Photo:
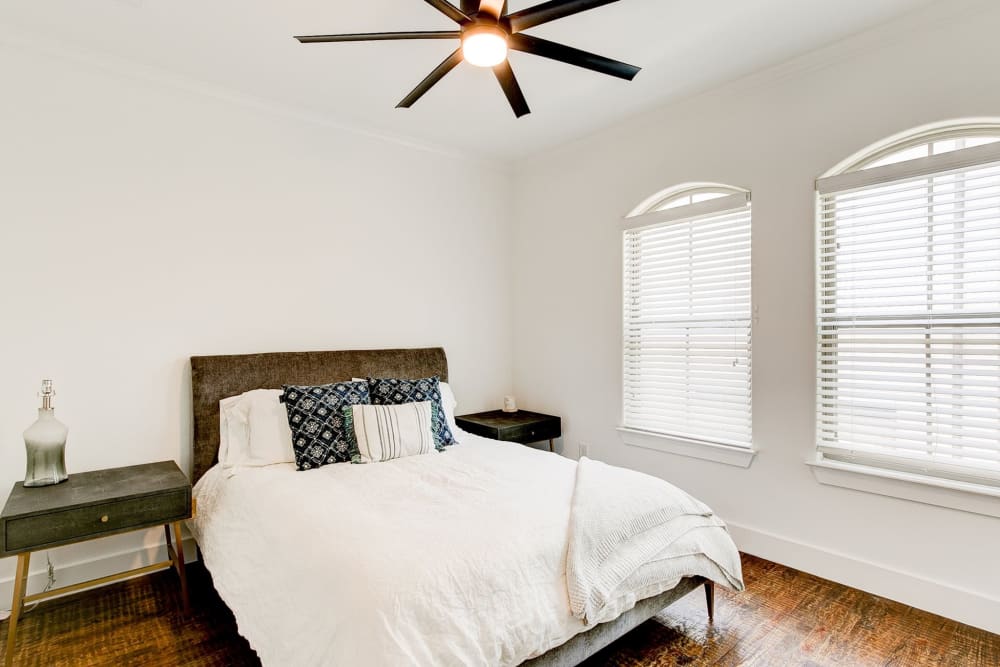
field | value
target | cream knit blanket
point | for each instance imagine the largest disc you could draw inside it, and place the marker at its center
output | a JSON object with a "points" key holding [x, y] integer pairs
{"points": [[633, 536]]}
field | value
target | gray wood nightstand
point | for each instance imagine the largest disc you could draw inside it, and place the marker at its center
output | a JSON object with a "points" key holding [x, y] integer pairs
{"points": [[521, 426], [87, 506]]}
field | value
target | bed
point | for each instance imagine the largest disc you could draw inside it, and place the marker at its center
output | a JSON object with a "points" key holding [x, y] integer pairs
{"points": [[458, 557]]}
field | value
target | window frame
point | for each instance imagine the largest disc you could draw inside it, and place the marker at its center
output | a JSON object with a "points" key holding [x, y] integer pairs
{"points": [[655, 211], [901, 141], [897, 478]]}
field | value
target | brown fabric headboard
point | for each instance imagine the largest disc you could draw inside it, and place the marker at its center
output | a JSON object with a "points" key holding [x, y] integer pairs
{"points": [[218, 377]]}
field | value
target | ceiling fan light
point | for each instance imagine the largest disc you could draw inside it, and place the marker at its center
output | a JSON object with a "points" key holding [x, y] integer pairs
{"points": [[484, 47]]}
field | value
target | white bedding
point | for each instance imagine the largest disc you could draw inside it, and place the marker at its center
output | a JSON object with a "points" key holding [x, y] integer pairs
{"points": [[453, 558]]}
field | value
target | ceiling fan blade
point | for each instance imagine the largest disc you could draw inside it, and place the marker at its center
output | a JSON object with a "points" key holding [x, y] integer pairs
{"points": [[571, 56], [446, 66], [380, 36], [550, 11], [451, 11], [511, 88]]}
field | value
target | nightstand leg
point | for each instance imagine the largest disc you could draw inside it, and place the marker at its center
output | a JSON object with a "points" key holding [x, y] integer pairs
{"points": [[20, 586], [175, 551], [552, 445]]}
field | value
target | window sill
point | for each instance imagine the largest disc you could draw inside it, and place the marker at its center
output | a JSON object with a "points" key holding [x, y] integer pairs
{"points": [[696, 449], [964, 496]]}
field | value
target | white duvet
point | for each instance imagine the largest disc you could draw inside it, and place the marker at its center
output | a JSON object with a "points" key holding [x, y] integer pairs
{"points": [[453, 558]]}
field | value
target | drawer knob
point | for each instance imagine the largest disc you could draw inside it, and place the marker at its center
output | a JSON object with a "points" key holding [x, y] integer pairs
{"points": [[104, 519]]}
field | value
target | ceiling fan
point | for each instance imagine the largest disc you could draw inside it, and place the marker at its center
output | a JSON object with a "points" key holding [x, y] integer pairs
{"points": [[487, 32]]}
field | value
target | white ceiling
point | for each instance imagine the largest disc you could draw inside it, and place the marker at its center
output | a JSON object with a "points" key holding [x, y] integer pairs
{"points": [[682, 45]]}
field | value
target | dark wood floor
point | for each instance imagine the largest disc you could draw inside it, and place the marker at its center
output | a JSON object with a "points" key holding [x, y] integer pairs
{"points": [[785, 617]]}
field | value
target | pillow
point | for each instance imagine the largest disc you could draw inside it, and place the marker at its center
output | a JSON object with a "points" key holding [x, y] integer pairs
{"points": [[254, 430], [270, 436], [234, 431], [448, 404], [384, 432], [396, 391], [316, 420]]}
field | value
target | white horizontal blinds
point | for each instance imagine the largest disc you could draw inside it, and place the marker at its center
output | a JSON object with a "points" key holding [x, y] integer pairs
{"points": [[909, 316], [687, 322]]}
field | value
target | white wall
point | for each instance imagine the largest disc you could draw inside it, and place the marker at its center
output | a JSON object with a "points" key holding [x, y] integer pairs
{"points": [[145, 219], [773, 133]]}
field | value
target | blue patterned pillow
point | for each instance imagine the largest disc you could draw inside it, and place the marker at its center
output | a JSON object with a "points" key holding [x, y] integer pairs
{"points": [[316, 418], [393, 391]]}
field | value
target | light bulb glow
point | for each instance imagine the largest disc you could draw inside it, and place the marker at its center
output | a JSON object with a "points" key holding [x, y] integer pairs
{"points": [[484, 47]]}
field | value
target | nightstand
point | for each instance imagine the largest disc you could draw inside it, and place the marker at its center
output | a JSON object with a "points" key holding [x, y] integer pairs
{"points": [[521, 426], [87, 506]]}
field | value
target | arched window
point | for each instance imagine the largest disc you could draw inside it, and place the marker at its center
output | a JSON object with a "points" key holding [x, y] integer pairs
{"points": [[683, 195], [908, 304], [687, 319], [926, 141]]}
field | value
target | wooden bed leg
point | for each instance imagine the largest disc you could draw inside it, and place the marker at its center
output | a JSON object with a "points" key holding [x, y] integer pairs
{"points": [[710, 599]]}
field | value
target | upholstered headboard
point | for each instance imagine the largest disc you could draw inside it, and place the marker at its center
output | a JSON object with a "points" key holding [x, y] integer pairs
{"points": [[217, 377]]}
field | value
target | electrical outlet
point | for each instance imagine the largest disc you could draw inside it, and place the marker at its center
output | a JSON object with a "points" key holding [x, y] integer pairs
{"points": [[584, 450]]}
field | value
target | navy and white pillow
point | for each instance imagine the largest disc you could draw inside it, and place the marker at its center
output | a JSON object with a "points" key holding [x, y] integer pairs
{"points": [[316, 419], [395, 391]]}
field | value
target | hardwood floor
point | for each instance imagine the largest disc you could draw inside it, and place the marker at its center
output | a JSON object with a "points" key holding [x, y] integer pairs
{"points": [[785, 617]]}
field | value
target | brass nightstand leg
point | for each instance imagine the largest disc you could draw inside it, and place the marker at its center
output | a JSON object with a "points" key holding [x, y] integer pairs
{"points": [[175, 551], [20, 586]]}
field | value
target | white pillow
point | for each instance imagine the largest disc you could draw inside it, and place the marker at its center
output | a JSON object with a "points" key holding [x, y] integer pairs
{"points": [[270, 437], [449, 404], [234, 431], [254, 430], [386, 432]]}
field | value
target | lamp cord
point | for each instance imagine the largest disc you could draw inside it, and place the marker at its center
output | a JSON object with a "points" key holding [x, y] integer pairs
{"points": [[51, 581]]}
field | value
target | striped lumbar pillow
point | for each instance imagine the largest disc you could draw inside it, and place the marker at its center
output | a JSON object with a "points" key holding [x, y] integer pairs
{"points": [[379, 433]]}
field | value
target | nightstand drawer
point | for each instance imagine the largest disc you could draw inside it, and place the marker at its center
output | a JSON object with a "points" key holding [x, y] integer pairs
{"points": [[531, 432], [71, 525]]}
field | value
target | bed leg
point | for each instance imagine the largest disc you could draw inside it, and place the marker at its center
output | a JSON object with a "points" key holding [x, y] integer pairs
{"points": [[710, 599]]}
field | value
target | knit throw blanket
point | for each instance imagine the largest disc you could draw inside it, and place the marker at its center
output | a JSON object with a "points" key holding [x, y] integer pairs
{"points": [[633, 536]]}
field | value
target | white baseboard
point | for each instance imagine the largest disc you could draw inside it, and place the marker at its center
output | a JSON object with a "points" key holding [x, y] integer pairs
{"points": [[75, 573], [960, 604]]}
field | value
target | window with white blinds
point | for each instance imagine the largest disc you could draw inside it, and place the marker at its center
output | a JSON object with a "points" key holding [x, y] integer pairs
{"points": [[687, 319], [909, 312]]}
